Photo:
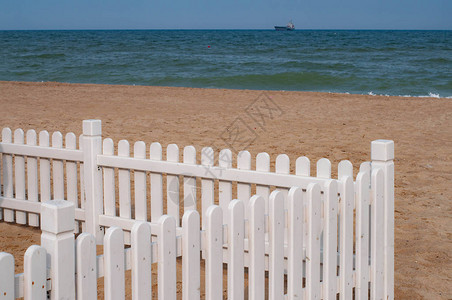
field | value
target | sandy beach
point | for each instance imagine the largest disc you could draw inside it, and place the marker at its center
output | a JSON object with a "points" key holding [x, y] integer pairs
{"points": [[335, 126]]}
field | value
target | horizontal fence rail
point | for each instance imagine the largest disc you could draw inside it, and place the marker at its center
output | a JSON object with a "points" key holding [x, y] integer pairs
{"points": [[317, 237]]}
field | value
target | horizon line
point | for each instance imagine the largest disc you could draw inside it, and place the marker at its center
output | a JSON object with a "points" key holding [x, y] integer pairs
{"points": [[187, 29]]}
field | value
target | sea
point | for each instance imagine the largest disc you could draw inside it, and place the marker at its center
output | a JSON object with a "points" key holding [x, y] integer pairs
{"points": [[374, 62]]}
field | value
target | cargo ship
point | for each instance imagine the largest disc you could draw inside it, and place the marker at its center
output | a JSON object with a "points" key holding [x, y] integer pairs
{"points": [[289, 27]]}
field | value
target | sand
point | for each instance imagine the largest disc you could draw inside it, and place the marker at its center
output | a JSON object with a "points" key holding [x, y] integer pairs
{"points": [[335, 126]]}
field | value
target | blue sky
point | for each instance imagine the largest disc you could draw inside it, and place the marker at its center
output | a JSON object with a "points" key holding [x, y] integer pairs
{"points": [[225, 14]]}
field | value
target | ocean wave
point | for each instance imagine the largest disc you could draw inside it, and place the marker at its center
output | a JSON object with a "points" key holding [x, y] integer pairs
{"points": [[44, 55], [430, 95]]}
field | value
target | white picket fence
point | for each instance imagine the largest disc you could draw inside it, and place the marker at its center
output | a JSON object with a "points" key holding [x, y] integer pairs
{"points": [[322, 236]]}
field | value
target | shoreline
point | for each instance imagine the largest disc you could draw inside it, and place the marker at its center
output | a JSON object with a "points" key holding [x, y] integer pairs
{"points": [[313, 124], [370, 93]]}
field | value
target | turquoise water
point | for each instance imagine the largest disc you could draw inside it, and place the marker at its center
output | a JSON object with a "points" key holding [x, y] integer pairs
{"points": [[416, 63]]}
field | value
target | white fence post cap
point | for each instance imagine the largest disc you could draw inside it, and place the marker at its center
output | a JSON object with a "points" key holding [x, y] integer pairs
{"points": [[57, 216], [382, 150], [92, 127]]}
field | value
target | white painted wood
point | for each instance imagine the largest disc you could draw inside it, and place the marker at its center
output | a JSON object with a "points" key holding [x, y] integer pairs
{"points": [[1, 186], [92, 173], [313, 246], [276, 241], [324, 168], [362, 236], [225, 187], [248, 176], [303, 166], [86, 267], [57, 226], [207, 185], [38, 151], [109, 181], [82, 181], [190, 197], [382, 155], [71, 175], [365, 167], [282, 166], [19, 176], [256, 271], [58, 168], [191, 247], [7, 276], [141, 260], [345, 168], [155, 153], [263, 165], [236, 235], [35, 273], [214, 253], [8, 215], [295, 244], [125, 201], [377, 235], [139, 151], [244, 189], [114, 284], [346, 238], [167, 258], [172, 185], [125, 210], [330, 240]]}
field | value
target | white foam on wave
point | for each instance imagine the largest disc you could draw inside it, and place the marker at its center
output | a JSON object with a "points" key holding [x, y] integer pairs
{"points": [[430, 95]]}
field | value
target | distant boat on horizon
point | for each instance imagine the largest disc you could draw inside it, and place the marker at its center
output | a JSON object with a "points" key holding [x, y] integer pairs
{"points": [[289, 27]]}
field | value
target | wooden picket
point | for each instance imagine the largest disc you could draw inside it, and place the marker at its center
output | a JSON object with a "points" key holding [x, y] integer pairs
{"points": [[58, 168], [86, 267], [276, 240], [7, 276], [8, 215], [19, 176], [190, 193], [172, 185], [167, 258], [244, 189], [346, 238], [225, 187], [109, 181], [139, 151], [44, 169], [295, 241], [282, 166], [330, 240], [256, 234], [362, 236], [313, 246], [236, 235], [35, 273], [155, 153], [263, 165], [191, 282], [377, 247], [114, 264], [207, 185], [214, 250], [71, 175], [141, 261]]}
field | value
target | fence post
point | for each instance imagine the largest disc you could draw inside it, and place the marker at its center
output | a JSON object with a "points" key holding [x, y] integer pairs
{"points": [[92, 146], [57, 226], [382, 155]]}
